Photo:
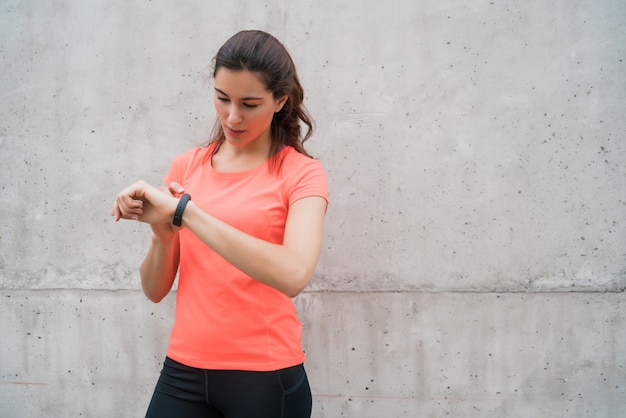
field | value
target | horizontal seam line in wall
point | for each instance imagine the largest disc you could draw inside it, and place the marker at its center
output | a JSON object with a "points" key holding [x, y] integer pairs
{"points": [[616, 291]]}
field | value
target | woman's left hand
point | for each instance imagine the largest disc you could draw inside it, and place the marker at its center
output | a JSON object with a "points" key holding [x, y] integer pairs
{"points": [[144, 203]]}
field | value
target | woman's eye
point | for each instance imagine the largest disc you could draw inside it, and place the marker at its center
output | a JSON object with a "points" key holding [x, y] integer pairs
{"points": [[227, 100]]}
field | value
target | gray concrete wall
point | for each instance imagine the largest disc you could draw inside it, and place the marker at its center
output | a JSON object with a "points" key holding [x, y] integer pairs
{"points": [[475, 254]]}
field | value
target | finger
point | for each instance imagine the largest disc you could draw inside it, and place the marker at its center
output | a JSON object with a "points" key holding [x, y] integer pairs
{"points": [[128, 208], [128, 203], [119, 210], [115, 212], [176, 187]]}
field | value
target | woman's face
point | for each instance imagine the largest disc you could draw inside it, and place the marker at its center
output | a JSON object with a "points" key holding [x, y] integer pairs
{"points": [[244, 106]]}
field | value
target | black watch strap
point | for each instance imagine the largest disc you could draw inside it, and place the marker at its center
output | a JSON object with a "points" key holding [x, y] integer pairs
{"points": [[178, 214]]}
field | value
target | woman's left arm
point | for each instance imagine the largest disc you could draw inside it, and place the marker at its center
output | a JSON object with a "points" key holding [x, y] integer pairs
{"points": [[287, 267]]}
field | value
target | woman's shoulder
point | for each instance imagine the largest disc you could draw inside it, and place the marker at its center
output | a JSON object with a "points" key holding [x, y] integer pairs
{"points": [[187, 162], [303, 176], [192, 156], [292, 159], [297, 167]]}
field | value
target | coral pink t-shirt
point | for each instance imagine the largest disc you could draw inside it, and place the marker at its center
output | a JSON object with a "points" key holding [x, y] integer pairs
{"points": [[226, 320]]}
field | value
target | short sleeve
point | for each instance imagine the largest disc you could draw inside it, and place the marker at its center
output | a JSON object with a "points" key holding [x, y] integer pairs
{"points": [[306, 178], [182, 164]]}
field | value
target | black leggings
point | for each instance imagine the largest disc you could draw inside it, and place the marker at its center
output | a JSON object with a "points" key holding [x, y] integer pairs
{"points": [[184, 391]]}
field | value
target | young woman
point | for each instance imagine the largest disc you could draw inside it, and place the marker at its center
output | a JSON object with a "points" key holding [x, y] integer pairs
{"points": [[241, 221]]}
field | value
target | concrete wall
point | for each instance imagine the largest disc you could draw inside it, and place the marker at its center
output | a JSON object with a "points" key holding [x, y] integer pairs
{"points": [[475, 254]]}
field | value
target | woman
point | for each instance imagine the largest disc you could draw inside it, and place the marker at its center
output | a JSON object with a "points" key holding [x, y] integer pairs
{"points": [[241, 220]]}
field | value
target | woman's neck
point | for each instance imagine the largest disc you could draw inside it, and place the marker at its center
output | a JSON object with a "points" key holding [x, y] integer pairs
{"points": [[231, 158]]}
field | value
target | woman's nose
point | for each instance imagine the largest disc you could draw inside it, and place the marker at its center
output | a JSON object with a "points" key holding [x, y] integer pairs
{"points": [[234, 116]]}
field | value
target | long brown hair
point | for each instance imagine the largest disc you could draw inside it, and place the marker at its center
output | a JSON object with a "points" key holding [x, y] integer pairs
{"points": [[262, 54]]}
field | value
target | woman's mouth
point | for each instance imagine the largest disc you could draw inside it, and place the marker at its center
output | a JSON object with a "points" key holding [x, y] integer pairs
{"points": [[234, 132]]}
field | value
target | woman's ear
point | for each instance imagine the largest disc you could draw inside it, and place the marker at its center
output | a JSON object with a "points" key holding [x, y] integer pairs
{"points": [[280, 103]]}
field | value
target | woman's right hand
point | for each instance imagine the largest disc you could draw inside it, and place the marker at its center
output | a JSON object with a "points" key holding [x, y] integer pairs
{"points": [[166, 231]]}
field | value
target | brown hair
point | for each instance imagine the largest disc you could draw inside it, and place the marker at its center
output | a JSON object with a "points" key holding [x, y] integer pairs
{"points": [[262, 54]]}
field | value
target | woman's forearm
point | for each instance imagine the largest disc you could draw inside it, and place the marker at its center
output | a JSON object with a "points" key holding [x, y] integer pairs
{"points": [[159, 268], [287, 267]]}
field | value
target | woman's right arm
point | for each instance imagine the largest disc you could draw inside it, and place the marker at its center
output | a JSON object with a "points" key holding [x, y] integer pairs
{"points": [[159, 268]]}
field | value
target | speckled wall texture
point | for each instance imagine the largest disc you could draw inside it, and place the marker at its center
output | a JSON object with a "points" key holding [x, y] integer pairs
{"points": [[474, 261]]}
